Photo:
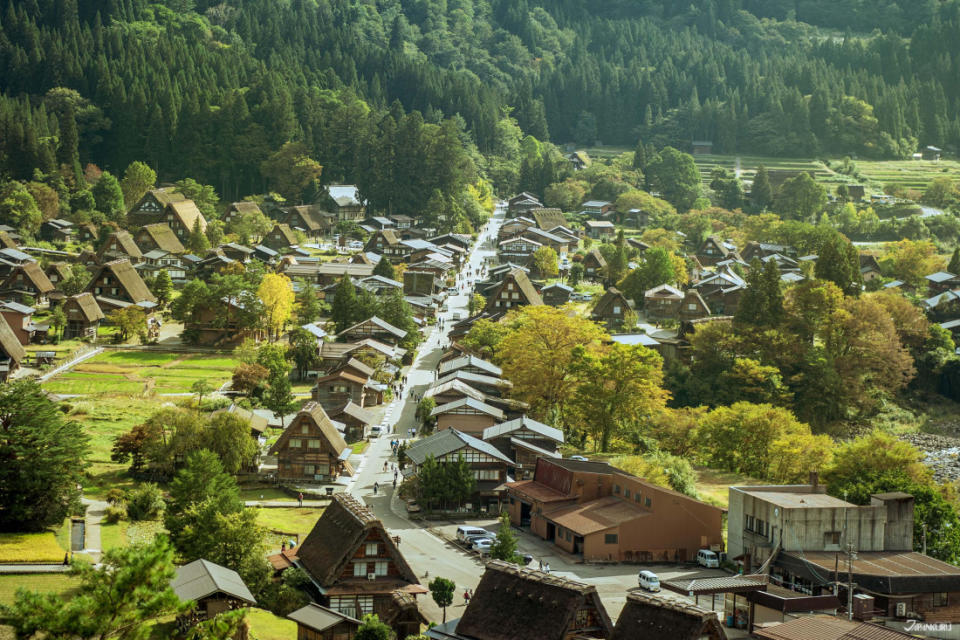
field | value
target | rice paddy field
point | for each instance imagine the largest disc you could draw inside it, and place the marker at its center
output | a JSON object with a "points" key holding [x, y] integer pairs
{"points": [[142, 373], [912, 175]]}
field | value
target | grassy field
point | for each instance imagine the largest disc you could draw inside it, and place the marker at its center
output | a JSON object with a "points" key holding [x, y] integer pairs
{"points": [[124, 533], [289, 520], [141, 372], [713, 485], [266, 626], [30, 547], [45, 582]]}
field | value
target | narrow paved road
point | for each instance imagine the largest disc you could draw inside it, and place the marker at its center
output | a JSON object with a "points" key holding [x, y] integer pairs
{"points": [[428, 555]]}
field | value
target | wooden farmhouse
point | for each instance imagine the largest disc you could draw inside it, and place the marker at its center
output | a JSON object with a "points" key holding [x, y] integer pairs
{"points": [[83, 317], [311, 449], [359, 567], [513, 602], [213, 588], [315, 622]]}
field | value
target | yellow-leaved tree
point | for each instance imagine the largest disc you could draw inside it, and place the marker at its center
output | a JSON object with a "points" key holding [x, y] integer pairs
{"points": [[536, 354], [277, 296]]}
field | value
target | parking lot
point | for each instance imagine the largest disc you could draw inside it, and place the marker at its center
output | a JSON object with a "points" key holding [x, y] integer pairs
{"points": [[613, 581]]}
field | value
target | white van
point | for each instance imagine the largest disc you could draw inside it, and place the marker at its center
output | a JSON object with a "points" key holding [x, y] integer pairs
{"points": [[707, 558], [648, 580], [464, 532]]}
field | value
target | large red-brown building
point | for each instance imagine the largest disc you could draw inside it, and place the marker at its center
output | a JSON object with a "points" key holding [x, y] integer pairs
{"points": [[602, 513]]}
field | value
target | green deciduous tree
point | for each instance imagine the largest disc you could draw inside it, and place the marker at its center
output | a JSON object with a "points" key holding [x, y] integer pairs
{"points": [[675, 175], [618, 387], [762, 301], [34, 496], [138, 178], [544, 260], [19, 208], [279, 397], [163, 287], [442, 590], [290, 170], [109, 197], [372, 628], [800, 198]]}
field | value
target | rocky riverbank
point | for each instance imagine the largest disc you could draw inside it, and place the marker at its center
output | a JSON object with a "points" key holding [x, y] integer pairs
{"points": [[942, 454]]}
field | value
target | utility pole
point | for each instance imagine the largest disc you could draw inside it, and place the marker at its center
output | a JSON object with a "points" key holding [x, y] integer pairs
{"points": [[851, 556], [924, 526]]}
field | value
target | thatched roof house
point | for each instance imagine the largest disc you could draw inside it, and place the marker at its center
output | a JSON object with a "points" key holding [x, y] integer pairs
{"points": [[513, 602], [647, 617]]}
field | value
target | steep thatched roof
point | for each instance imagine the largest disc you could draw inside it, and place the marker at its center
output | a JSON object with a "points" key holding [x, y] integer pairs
{"points": [[188, 213], [647, 617], [128, 278], [548, 218], [540, 605], [613, 297], [124, 243], [313, 412], [9, 342], [33, 273], [88, 306], [334, 540], [163, 236]]}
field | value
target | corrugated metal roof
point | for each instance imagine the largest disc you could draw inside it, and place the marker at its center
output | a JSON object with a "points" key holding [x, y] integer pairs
{"points": [[319, 618], [202, 578]]}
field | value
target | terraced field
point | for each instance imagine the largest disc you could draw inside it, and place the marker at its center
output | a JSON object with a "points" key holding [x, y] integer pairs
{"points": [[910, 174]]}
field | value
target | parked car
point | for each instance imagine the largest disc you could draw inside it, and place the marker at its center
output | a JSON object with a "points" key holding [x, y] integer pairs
{"points": [[579, 458], [482, 545], [527, 559], [648, 580], [707, 558], [376, 430], [464, 531], [452, 291], [586, 297]]}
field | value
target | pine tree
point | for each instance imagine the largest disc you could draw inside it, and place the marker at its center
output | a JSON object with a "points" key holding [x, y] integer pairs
{"points": [[308, 307], [640, 156], [163, 287], [385, 269], [343, 309], [761, 195], [504, 546], [954, 266], [197, 242]]}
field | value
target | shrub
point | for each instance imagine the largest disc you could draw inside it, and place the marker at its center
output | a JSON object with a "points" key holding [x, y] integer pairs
{"points": [[145, 502], [114, 513], [116, 496]]}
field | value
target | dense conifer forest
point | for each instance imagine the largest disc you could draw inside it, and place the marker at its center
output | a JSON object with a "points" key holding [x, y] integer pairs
{"points": [[208, 89]]}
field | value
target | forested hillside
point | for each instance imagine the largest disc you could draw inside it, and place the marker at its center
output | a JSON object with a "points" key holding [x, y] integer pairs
{"points": [[208, 88]]}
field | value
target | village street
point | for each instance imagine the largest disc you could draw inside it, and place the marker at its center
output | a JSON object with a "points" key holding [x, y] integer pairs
{"points": [[430, 551]]}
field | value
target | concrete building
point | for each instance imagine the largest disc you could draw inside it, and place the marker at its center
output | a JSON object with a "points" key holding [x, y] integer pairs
{"points": [[804, 518]]}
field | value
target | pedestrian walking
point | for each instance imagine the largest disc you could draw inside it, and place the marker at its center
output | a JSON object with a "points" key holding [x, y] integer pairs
{"points": [[546, 568], [541, 564], [300, 499], [384, 466], [376, 487]]}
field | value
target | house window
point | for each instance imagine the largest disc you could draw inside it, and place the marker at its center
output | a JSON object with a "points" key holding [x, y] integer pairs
{"points": [[371, 549], [831, 537], [616, 488], [692, 306], [304, 428], [626, 492], [610, 538], [381, 567], [636, 497], [748, 525], [359, 569], [486, 474], [583, 619], [567, 535], [346, 606], [313, 444], [308, 470], [940, 599], [366, 604], [616, 308], [294, 443], [516, 295], [648, 502]]}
